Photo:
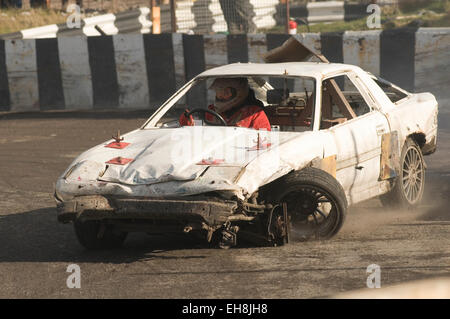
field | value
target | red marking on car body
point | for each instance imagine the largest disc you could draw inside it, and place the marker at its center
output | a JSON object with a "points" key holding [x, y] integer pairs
{"points": [[119, 160], [118, 145], [262, 146], [210, 161]]}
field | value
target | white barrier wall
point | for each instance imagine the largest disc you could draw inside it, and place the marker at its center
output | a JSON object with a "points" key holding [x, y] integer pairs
{"points": [[432, 62], [140, 71], [22, 75], [75, 72]]}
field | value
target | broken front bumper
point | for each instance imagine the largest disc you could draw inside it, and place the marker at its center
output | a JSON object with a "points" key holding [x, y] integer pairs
{"points": [[213, 212]]}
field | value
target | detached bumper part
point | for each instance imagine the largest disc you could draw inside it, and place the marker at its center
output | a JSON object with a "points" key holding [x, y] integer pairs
{"points": [[96, 207]]}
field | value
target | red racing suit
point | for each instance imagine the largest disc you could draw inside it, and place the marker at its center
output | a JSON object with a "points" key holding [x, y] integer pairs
{"points": [[250, 116]]}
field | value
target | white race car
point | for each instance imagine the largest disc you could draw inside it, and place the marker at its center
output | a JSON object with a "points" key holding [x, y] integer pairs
{"points": [[339, 136]]}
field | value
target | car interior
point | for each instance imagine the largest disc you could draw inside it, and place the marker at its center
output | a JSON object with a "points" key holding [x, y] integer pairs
{"points": [[289, 102], [292, 111]]}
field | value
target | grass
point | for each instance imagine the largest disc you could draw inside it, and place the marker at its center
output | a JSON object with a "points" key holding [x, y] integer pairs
{"points": [[354, 25], [12, 20], [438, 6]]}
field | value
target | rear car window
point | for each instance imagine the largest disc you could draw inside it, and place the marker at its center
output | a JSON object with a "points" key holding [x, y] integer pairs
{"points": [[392, 93]]}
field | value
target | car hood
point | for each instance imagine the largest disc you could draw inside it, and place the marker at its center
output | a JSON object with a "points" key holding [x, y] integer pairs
{"points": [[161, 155], [190, 160]]}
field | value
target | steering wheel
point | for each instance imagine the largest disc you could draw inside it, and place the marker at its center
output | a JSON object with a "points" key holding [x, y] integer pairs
{"points": [[203, 116]]}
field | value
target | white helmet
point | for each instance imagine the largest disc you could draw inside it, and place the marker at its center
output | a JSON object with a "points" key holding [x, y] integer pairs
{"points": [[239, 91]]}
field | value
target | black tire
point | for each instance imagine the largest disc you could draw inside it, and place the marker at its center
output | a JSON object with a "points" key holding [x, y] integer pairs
{"points": [[402, 194], [308, 193], [92, 237]]}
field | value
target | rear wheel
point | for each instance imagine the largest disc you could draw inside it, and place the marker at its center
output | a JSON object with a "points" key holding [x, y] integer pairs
{"points": [[409, 185], [316, 203], [95, 235]]}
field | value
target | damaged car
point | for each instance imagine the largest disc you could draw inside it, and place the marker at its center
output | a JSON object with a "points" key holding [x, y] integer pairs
{"points": [[337, 136]]}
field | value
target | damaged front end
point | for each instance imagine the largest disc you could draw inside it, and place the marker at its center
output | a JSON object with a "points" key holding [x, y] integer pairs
{"points": [[215, 219]]}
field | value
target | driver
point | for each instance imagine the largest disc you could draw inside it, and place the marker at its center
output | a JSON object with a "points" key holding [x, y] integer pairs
{"points": [[236, 103]]}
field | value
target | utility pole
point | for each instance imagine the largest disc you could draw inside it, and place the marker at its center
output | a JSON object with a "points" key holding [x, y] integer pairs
{"points": [[288, 16], [155, 17], [173, 16]]}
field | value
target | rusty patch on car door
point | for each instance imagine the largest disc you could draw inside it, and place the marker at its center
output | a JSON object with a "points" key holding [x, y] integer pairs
{"points": [[327, 164], [390, 159]]}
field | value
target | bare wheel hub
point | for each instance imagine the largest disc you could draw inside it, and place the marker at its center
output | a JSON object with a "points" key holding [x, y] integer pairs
{"points": [[307, 205]]}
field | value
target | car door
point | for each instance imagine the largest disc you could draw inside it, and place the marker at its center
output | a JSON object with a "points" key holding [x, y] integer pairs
{"points": [[357, 138]]}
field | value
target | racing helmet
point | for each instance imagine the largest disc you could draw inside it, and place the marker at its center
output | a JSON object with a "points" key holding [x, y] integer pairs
{"points": [[230, 92]]}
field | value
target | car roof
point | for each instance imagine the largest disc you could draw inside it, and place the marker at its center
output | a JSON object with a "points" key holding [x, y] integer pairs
{"points": [[309, 69]]}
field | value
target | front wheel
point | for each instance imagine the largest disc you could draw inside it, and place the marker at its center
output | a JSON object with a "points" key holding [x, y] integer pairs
{"points": [[316, 203], [95, 235]]}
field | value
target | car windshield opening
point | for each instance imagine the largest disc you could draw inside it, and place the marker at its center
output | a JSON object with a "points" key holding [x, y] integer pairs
{"points": [[287, 102]]}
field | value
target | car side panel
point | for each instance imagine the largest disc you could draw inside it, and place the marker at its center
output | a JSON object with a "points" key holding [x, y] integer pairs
{"points": [[416, 114], [358, 149]]}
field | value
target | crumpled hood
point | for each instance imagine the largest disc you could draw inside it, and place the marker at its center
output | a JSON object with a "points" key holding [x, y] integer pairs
{"points": [[162, 155], [190, 160]]}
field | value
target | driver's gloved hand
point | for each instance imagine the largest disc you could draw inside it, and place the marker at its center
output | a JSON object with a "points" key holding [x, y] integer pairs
{"points": [[185, 120]]}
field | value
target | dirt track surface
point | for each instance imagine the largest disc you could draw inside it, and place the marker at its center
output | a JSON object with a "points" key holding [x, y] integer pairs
{"points": [[35, 249]]}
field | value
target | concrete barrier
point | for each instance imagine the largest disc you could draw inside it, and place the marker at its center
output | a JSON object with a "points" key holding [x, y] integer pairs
{"points": [[432, 62], [135, 71], [327, 11]]}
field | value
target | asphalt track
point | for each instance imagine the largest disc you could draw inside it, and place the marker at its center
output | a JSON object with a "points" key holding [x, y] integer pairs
{"points": [[35, 250]]}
